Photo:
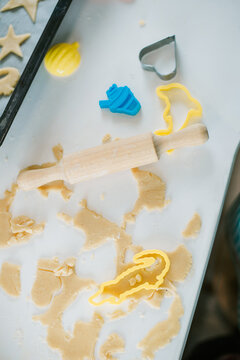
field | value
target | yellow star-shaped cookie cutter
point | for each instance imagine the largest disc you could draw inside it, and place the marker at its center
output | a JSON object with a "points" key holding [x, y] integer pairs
{"points": [[196, 112], [143, 260]]}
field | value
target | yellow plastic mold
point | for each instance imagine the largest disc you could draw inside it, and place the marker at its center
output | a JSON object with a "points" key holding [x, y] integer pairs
{"points": [[62, 59], [195, 112], [148, 273]]}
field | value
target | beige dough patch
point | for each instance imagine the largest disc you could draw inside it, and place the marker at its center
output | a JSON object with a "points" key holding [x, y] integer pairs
{"points": [[107, 138], [9, 77], [53, 277], [151, 194], [71, 285], [15, 230], [29, 5], [98, 230], [162, 333], [10, 279], [55, 186], [11, 43], [77, 346], [113, 345], [193, 227]]}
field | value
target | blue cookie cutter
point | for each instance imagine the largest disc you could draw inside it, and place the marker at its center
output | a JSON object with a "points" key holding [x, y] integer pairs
{"points": [[120, 100]]}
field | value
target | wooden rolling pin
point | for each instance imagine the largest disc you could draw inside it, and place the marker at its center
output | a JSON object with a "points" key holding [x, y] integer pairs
{"points": [[112, 157]]}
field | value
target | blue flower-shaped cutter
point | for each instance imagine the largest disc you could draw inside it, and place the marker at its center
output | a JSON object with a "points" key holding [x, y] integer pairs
{"points": [[120, 100]]}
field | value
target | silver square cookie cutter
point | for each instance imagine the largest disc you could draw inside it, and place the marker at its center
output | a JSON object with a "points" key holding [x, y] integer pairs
{"points": [[155, 46]]}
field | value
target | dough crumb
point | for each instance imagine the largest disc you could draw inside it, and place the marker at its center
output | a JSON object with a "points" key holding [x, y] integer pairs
{"points": [[193, 227], [58, 152], [117, 314], [113, 345], [142, 23], [106, 139], [65, 217], [163, 332], [151, 194], [10, 279]]}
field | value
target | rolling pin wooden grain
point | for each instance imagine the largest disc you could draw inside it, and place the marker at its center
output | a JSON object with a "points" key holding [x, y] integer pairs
{"points": [[113, 157]]}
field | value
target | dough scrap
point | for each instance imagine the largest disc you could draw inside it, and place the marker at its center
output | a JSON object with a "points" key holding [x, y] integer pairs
{"points": [[114, 344], [193, 227], [10, 279], [55, 186], [58, 152], [98, 230], [181, 263], [49, 281], [29, 5], [107, 138], [11, 43], [9, 80], [70, 286], [15, 230], [163, 332], [77, 346], [151, 196]]}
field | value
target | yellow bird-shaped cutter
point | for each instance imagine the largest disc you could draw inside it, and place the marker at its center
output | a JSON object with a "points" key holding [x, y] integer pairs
{"points": [[147, 273], [195, 112]]}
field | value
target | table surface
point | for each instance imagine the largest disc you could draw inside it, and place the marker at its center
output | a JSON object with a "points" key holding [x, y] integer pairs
{"points": [[66, 111]]}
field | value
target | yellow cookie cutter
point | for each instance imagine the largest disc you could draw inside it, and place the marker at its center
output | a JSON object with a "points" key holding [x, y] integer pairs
{"points": [[197, 112], [143, 260]]}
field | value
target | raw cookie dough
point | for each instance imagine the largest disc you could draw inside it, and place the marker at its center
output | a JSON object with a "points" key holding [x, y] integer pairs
{"points": [[151, 196], [77, 346], [58, 185], [113, 345], [9, 77], [50, 279], [98, 230], [10, 279], [29, 5], [11, 43], [193, 227], [162, 333], [107, 138], [15, 230]]}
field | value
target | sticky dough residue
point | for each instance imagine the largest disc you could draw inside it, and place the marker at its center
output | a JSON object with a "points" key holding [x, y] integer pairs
{"points": [[15, 230], [58, 285], [151, 194], [55, 186], [193, 227], [113, 345], [162, 333], [107, 138], [10, 279]]}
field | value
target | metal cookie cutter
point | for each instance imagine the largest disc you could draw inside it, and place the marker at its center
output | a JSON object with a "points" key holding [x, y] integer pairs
{"points": [[157, 45]]}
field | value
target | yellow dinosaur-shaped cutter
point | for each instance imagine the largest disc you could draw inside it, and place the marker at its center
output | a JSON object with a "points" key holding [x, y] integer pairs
{"points": [[196, 112], [147, 273]]}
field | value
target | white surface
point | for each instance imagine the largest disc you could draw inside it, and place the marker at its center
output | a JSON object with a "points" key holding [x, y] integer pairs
{"points": [[23, 24], [67, 111]]}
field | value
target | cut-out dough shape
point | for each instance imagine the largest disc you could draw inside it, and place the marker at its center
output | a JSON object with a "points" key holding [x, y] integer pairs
{"points": [[139, 276], [195, 112], [8, 79], [11, 43], [29, 5]]}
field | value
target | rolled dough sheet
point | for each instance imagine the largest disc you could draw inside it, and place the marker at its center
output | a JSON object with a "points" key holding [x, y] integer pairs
{"points": [[113, 345]]}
